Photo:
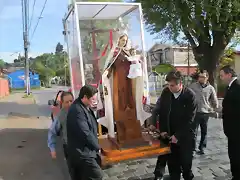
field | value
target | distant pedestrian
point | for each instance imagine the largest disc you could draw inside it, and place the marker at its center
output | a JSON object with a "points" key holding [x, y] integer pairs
{"points": [[231, 117], [176, 118], [59, 127], [207, 102], [82, 136]]}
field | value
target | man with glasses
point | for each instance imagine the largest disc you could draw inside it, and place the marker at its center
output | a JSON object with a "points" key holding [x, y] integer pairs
{"points": [[207, 102], [82, 137], [177, 111]]}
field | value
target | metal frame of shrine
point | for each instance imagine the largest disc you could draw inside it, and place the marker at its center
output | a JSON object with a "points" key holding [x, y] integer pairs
{"points": [[90, 30]]}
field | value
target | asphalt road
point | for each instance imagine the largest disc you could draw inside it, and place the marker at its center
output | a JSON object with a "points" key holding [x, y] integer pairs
{"points": [[24, 154], [42, 96]]}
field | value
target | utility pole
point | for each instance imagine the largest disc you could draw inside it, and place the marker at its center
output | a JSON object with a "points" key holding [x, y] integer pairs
{"points": [[26, 43], [188, 59]]}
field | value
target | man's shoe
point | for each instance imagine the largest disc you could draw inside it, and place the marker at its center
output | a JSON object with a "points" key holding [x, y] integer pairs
{"points": [[200, 152], [194, 154]]}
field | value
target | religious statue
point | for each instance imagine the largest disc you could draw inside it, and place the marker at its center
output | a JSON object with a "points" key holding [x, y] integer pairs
{"points": [[135, 67], [122, 104]]}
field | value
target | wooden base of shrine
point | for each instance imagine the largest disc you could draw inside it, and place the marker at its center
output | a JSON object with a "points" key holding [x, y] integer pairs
{"points": [[114, 152]]}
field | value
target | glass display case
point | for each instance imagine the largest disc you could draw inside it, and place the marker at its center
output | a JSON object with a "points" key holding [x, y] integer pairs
{"points": [[92, 32], [106, 49]]}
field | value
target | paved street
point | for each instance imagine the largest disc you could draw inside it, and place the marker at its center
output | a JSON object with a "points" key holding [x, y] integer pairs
{"points": [[213, 165], [42, 96], [23, 135], [24, 154]]}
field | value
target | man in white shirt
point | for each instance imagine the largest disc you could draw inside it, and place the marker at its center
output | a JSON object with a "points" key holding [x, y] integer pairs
{"points": [[231, 117]]}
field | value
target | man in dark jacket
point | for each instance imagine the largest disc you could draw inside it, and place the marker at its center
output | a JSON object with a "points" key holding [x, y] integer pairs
{"points": [[176, 118], [82, 137], [231, 117], [162, 159]]}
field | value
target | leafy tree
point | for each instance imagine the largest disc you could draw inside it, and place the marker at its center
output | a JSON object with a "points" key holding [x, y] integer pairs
{"points": [[59, 48], [49, 65], [227, 58], [100, 30], [16, 60], [45, 73], [2, 64], [208, 25]]}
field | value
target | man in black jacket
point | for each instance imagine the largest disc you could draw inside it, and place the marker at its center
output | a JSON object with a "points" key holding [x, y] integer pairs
{"points": [[176, 118], [82, 137], [231, 117], [162, 159]]}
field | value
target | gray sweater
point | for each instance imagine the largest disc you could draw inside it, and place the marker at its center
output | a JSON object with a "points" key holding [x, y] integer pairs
{"points": [[206, 96]]}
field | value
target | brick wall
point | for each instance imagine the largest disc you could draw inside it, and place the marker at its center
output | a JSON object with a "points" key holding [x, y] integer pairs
{"points": [[4, 88]]}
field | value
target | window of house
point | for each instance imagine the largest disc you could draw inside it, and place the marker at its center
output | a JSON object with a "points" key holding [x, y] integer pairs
{"points": [[160, 58]]}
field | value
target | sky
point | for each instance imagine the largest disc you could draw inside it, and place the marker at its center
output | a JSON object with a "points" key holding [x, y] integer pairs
{"points": [[47, 34]]}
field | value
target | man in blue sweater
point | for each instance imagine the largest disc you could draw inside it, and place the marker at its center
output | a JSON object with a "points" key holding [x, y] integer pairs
{"points": [[59, 127]]}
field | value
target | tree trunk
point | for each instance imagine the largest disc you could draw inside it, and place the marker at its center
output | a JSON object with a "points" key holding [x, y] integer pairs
{"points": [[209, 60]]}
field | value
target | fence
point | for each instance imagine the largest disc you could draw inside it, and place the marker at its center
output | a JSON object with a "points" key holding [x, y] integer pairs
{"points": [[157, 82], [4, 88]]}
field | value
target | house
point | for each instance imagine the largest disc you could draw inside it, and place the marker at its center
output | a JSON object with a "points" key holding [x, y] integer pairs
{"points": [[17, 79], [181, 58], [237, 62]]}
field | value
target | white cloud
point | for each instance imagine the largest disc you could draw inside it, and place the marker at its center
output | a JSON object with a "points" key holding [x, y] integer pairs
{"points": [[10, 56]]}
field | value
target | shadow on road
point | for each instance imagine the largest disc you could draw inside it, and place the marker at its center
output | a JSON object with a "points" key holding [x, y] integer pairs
{"points": [[25, 109], [24, 155]]}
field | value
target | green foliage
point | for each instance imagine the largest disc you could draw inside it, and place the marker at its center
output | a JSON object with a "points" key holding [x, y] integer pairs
{"points": [[49, 65], [207, 25], [236, 40], [100, 29], [227, 58], [59, 48], [194, 18], [2, 64], [163, 68]]}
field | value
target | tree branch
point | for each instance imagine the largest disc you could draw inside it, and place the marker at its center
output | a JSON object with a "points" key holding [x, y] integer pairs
{"points": [[190, 38]]}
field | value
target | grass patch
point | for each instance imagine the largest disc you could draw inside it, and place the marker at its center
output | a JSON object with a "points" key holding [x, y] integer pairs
{"points": [[22, 89], [27, 96]]}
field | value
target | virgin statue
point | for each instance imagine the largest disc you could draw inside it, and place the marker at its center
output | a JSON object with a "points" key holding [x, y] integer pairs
{"points": [[122, 96]]}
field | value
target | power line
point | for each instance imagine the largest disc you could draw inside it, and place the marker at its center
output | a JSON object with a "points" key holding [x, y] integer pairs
{"points": [[25, 21], [27, 4], [33, 7], [23, 17], [40, 16]]}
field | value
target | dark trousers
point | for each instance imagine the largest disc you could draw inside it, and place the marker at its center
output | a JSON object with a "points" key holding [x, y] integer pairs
{"points": [[234, 156], [160, 165], [85, 168], [70, 168], [202, 121], [180, 160]]}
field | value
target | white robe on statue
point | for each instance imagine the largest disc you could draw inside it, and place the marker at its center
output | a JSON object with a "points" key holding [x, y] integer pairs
{"points": [[141, 90]]}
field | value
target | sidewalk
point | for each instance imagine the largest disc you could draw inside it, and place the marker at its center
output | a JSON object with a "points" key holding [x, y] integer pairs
{"points": [[18, 97], [24, 154], [18, 105]]}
